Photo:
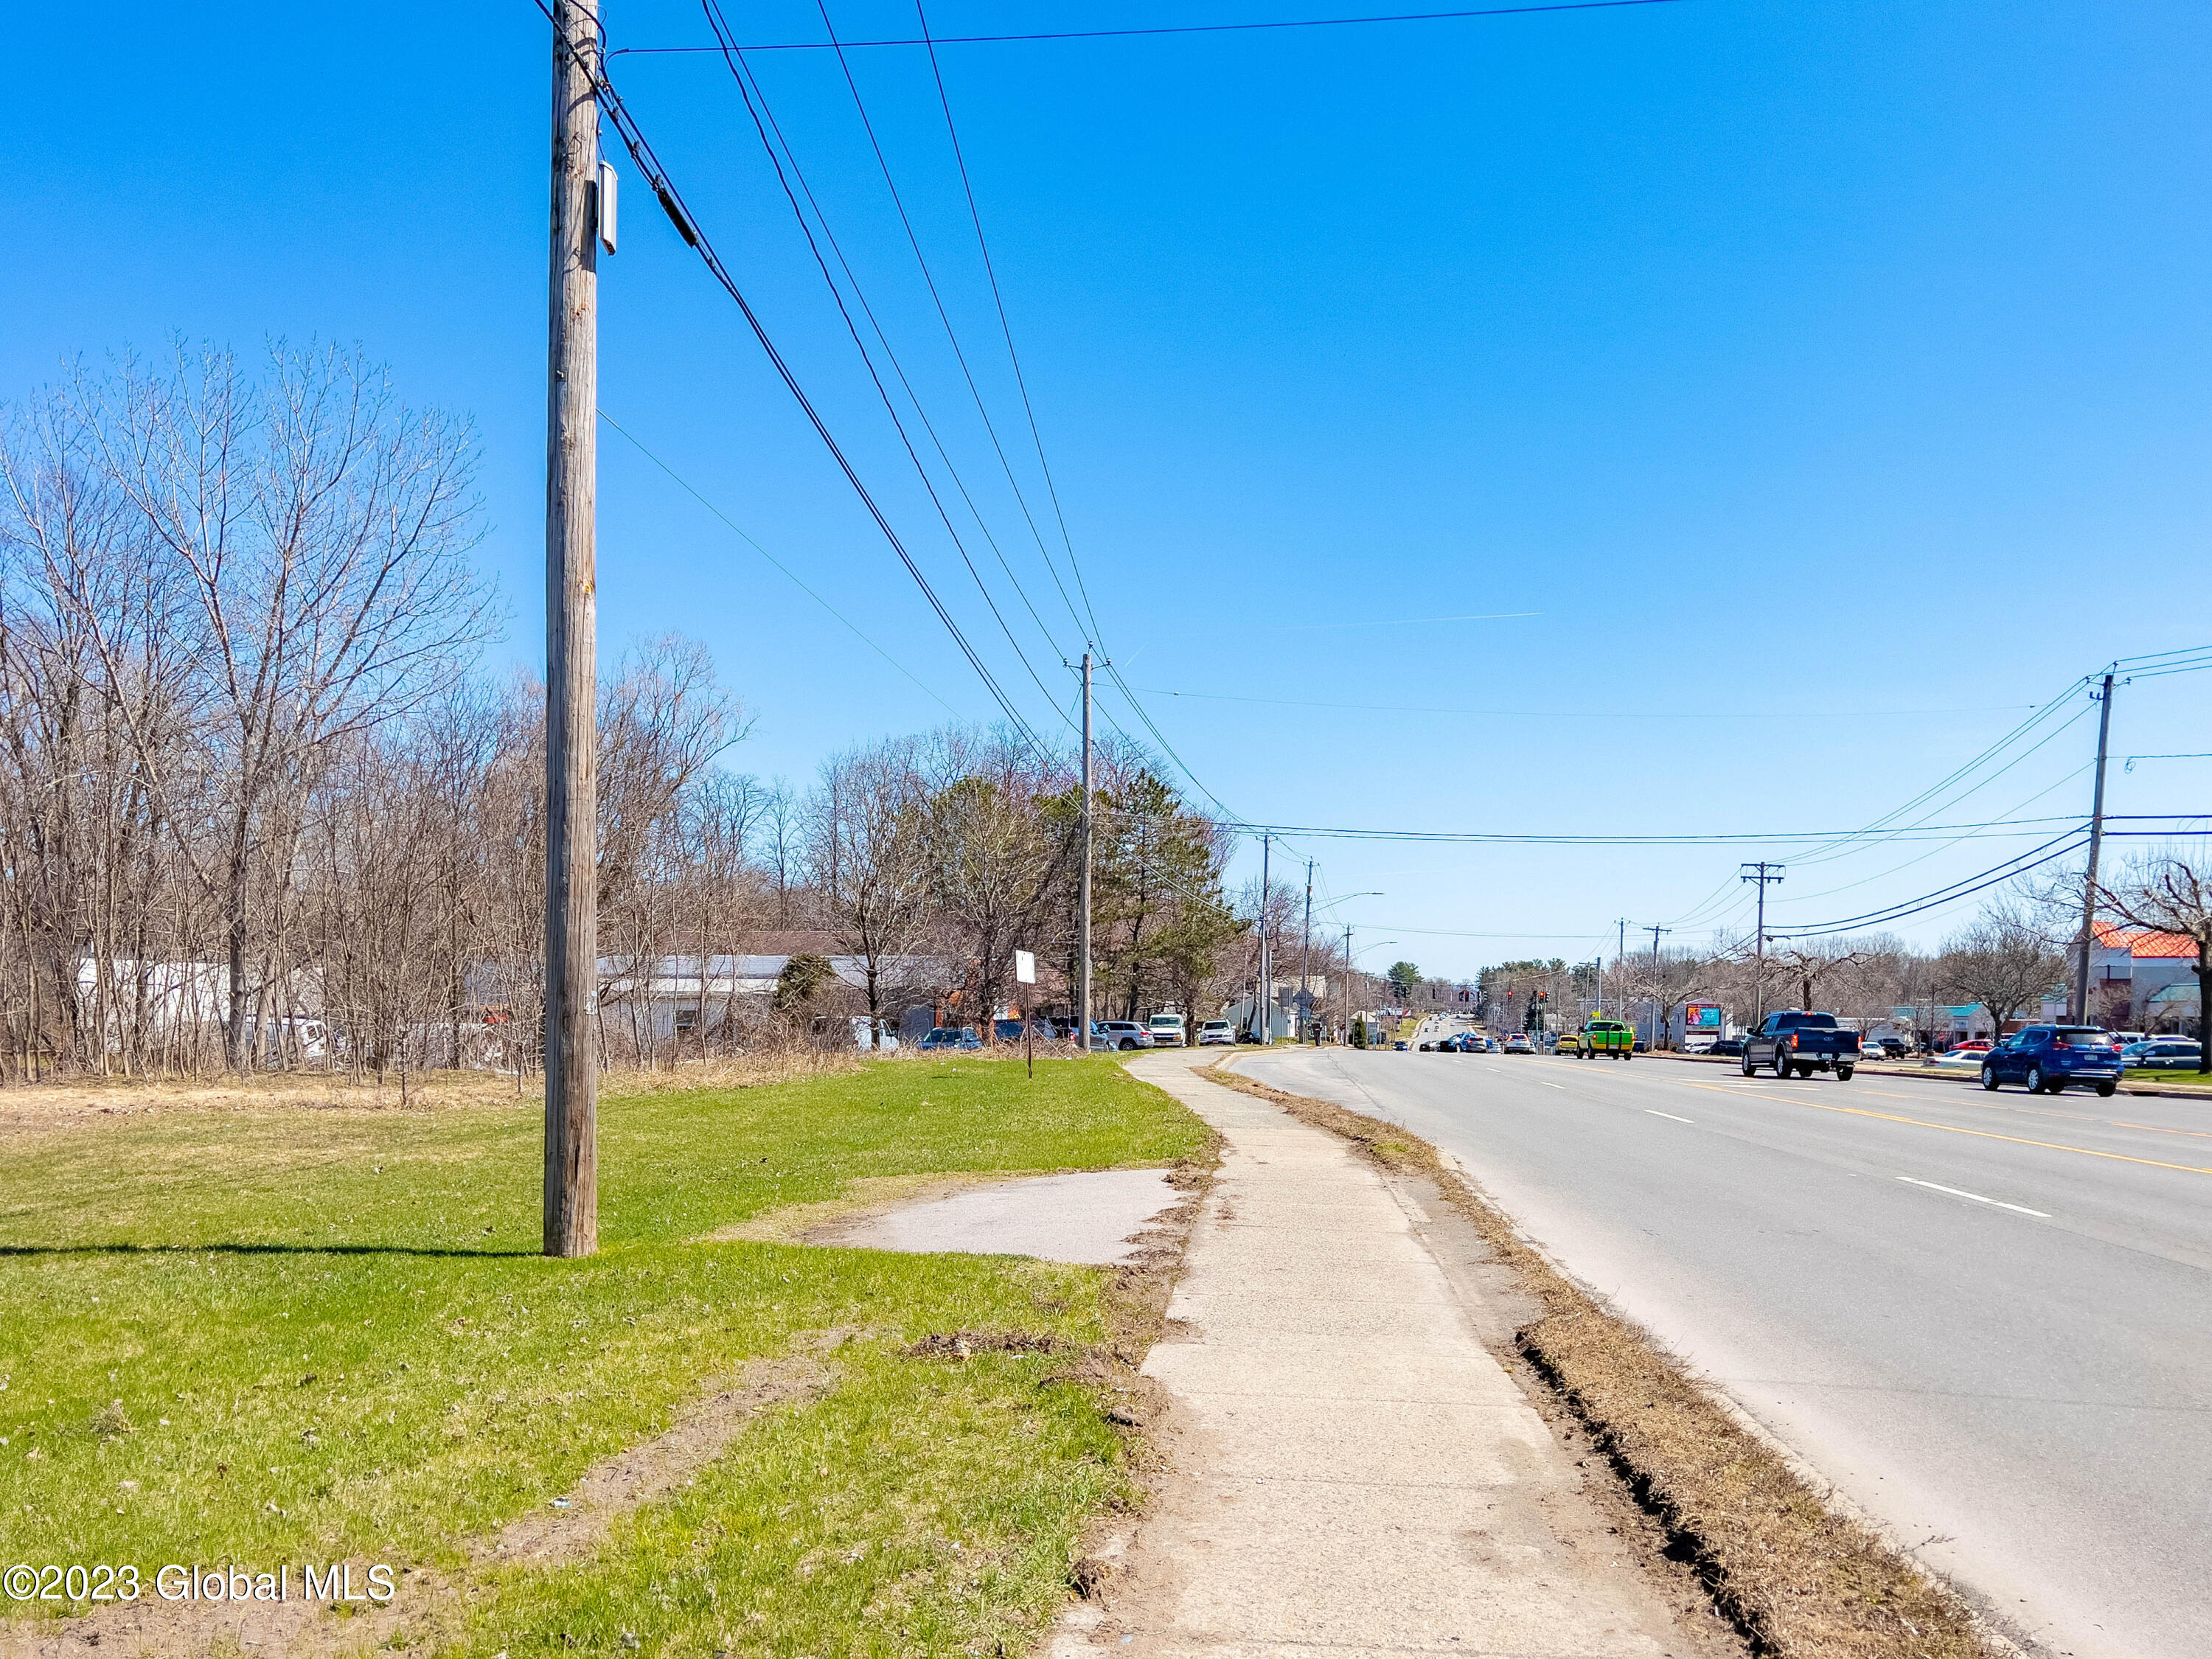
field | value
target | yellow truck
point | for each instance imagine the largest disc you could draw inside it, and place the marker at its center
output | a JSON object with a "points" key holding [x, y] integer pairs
{"points": [[1615, 1038]]}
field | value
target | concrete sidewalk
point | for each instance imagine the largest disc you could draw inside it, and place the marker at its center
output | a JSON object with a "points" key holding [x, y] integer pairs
{"points": [[1350, 1469]]}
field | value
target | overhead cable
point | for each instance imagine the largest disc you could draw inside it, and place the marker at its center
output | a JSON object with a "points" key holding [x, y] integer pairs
{"points": [[671, 200], [763, 119], [1188, 28]]}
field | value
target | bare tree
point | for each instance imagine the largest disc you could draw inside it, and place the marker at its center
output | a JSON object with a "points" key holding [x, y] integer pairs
{"points": [[2004, 960], [322, 530], [2171, 894], [865, 855]]}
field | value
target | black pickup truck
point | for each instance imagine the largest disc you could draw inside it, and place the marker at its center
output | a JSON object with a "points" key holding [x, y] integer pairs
{"points": [[1794, 1040]]}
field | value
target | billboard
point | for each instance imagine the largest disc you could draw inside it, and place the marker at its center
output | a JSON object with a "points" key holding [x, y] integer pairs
{"points": [[1701, 1016]]}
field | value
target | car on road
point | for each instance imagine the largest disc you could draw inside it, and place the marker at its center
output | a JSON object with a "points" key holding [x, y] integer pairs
{"points": [[2046, 1058], [1217, 1031], [1517, 1043], [1122, 1034], [1796, 1039], [1613, 1038], [1166, 1030], [2164, 1054], [953, 1036]]}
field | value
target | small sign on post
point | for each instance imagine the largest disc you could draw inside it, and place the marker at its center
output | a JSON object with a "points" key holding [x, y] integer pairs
{"points": [[1026, 974]]}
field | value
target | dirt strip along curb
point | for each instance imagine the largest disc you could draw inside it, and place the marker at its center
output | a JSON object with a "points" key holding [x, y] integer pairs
{"points": [[1798, 1579]]}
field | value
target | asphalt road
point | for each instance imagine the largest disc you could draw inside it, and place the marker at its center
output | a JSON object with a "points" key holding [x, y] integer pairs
{"points": [[1987, 1318]]}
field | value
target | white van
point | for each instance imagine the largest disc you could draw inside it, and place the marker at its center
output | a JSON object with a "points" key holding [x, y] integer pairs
{"points": [[1166, 1030]]}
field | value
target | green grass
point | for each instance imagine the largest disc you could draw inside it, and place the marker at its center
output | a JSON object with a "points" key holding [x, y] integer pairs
{"points": [[329, 1335], [2189, 1080]]}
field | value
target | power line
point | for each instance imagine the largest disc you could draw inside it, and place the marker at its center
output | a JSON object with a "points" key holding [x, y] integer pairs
{"points": [[1006, 329], [951, 336], [672, 201], [1564, 714], [756, 106], [1992, 826], [1185, 28], [2013, 868], [781, 569]]}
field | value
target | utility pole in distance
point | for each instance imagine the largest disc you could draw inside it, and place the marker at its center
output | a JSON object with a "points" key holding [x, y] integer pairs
{"points": [[1082, 884], [572, 944], [2080, 1014], [1266, 1032], [1763, 873], [1350, 997], [1662, 1012], [1305, 960]]}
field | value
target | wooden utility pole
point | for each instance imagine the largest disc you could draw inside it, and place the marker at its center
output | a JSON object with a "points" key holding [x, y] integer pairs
{"points": [[1082, 884], [1659, 1016], [571, 952], [2080, 1013], [1266, 1032], [1305, 960], [1762, 872]]}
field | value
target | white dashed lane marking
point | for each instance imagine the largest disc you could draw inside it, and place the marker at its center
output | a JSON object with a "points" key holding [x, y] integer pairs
{"points": [[1994, 1203]]}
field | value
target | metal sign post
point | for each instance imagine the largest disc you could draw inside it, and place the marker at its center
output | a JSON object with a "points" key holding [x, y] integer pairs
{"points": [[1026, 974]]}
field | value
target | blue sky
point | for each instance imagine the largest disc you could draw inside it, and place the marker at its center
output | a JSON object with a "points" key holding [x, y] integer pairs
{"points": [[1832, 378]]}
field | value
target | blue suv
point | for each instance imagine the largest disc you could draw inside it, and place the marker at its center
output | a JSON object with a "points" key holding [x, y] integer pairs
{"points": [[2046, 1058]]}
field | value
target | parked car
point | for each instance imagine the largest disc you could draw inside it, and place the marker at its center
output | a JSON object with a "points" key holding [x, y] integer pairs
{"points": [[1726, 1047], [1517, 1043], [1699, 1045], [1888, 1048], [2164, 1054], [953, 1036], [1166, 1030], [1794, 1040], [1122, 1034], [1217, 1031], [2046, 1058]]}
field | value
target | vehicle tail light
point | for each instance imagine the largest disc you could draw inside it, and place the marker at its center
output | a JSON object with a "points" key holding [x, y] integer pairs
{"points": [[1793, 1039]]}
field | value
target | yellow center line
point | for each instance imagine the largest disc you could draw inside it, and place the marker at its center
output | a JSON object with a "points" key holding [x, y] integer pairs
{"points": [[1953, 1128]]}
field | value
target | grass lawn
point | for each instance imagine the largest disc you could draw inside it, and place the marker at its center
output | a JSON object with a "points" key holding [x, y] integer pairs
{"points": [[2191, 1079], [294, 1335]]}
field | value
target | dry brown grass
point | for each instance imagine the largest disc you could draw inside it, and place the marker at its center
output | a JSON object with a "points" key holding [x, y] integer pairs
{"points": [[1799, 1579], [88, 1102]]}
